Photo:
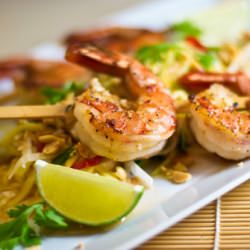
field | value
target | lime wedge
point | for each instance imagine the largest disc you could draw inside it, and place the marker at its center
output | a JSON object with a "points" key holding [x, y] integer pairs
{"points": [[84, 197]]}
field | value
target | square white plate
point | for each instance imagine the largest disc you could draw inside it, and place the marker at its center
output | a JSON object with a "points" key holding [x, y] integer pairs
{"points": [[165, 204]]}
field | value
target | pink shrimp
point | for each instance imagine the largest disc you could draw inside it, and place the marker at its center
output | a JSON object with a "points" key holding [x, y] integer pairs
{"points": [[108, 125], [239, 81], [27, 72], [121, 39], [217, 124]]}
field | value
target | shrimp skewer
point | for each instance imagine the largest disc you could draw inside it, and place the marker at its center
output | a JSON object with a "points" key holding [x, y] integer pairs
{"points": [[119, 39], [238, 81], [107, 124], [28, 72], [218, 126], [237, 76]]}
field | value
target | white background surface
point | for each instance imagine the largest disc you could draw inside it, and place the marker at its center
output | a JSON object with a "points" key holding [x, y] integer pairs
{"points": [[26, 23]]}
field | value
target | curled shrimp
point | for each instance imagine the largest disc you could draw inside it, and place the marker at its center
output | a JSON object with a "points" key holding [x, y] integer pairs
{"points": [[31, 73], [238, 81], [121, 39], [112, 127], [217, 124]]}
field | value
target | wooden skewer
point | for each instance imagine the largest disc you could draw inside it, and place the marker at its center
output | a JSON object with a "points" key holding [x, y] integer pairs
{"points": [[35, 112]]}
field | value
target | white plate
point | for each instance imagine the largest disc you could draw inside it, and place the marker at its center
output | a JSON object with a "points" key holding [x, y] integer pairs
{"points": [[166, 203]]}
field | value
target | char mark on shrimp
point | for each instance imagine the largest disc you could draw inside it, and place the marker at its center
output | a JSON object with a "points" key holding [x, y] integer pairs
{"points": [[138, 132]]}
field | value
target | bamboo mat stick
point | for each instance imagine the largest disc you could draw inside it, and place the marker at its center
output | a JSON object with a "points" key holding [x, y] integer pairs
{"points": [[198, 231], [34, 112]]}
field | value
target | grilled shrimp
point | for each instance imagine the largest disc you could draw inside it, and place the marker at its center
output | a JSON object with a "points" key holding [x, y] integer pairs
{"points": [[237, 76], [237, 81], [119, 39], [113, 127], [27, 72], [217, 124]]}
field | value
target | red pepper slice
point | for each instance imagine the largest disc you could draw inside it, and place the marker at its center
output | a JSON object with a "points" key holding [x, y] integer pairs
{"points": [[87, 162], [196, 43]]}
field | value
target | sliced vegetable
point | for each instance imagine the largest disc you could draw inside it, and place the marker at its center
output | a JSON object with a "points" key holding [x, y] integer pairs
{"points": [[91, 199], [26, 225], [61, 158], [56, 95], [135, 170], [6, 143], [154, 53], [196, 43], [207, 60], [185, 29], [87, 162]]}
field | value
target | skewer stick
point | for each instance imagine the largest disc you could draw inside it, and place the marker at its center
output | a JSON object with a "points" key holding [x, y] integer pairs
{"points": [[35, 112]]}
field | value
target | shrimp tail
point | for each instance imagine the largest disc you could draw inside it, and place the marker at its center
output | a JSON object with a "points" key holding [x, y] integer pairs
{"points": [[113, 130], [198, 81], [96, 59], [119, 39]]}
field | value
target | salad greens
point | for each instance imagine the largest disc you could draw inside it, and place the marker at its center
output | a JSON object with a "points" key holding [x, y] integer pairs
{"points": [[153, 53], [61, 158], [56, 95], [207, 60], [179, 31], [185, 29], [26, 225]]}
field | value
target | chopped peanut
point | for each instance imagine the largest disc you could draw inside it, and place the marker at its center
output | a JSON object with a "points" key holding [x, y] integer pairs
{"points": [[178, 174], [121, 173], [53, 147], [180, 177], [180, 167]]}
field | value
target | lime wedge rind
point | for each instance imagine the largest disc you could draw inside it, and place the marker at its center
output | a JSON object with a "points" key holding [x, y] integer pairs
{"points": [[136, 189]]}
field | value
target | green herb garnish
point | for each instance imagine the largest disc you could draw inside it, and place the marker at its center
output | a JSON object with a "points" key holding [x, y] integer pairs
{"points": [[56, 95], [62, 158], [185, 29], [26, 225], [153, 53], [207, 60]]}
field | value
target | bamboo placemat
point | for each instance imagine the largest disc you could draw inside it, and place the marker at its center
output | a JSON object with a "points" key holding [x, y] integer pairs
{"points": [[198, 231]]}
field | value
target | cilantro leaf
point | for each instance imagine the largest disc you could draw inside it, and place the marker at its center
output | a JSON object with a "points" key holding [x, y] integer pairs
{"points": [[153, 53], [15, 212], [207, 60], [184, 29], [49, 218], [9, 244], [28, 236], [56, 95], [20, 230], [17, 230]]}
